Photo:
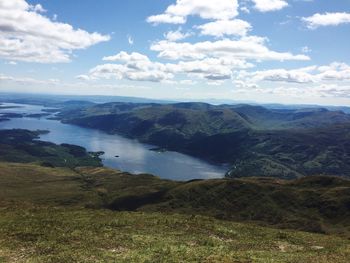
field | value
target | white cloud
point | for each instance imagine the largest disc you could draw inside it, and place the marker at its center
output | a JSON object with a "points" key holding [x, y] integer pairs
{"points": [[334, 66], [119, 72], [206, 9], [130, 40], [326, 19], [215, 82], [245, 9], [126, 58], [27, 81], [38, 8], [5, 78], [269, 5], [12, 63], [53, 86], [176, 35], [220, 28], [188, 82], [283, 75], [209, 68], [134, 66], [250, 47], [306, 49], [27, 35], [138, 67], [300, 92], [333, 90], [83, 77], [212, 69], [166, 19], [335, 72]]}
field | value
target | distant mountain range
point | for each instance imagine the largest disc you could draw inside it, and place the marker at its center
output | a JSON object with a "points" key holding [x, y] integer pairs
{"points": [[48, 99]]}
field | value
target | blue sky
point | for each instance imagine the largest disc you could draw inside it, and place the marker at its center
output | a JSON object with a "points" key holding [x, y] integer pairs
{"points": [[286, 51]]}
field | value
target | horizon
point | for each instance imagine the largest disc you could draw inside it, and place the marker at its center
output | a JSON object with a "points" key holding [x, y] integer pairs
{"points": [[263, 52], [132, 99]]}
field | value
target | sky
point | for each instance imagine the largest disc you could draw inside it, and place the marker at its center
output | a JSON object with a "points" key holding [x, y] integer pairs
{"points": [[268, 51]]}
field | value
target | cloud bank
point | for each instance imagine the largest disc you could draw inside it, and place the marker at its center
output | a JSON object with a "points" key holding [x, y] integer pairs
{"points": [[27, 35]]}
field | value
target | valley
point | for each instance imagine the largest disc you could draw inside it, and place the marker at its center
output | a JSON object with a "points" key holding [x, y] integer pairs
{"points": [[134, 157], [299, 214], [176, 131], [254, 140]]}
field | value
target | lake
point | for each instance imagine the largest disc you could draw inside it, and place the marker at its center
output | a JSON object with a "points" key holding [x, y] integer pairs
{"points": [[134, 157]]}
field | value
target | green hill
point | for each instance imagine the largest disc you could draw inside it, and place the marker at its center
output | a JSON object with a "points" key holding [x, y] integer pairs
{"points": [[256, 141], [22, 146], [97, 214], [318, 204], [65, 213]]}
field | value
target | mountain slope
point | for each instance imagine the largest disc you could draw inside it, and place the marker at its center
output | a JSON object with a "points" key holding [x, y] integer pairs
{"points": [[254, 140], [22, 146], [317, 204], [39, 234], [82, 214]]}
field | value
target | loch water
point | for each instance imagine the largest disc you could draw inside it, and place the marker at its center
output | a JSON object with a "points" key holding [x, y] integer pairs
{"points": [[120, 153]]}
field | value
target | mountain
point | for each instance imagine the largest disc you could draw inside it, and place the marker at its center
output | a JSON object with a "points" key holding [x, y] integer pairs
{"points": [[48, 99], [68, 213], [256, 141], [315, 204], [254, 117], [69, 175], [58, 234], [276, 119]]}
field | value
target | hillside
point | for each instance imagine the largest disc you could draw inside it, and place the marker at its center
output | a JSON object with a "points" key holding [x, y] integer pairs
{"points": [[317, 204], [23, 146], [256, 141], [39, 234], [60, 215], [65, 213], [243, 116], [65, 235]]}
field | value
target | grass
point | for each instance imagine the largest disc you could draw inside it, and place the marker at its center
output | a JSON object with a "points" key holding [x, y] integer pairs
{"points": [[40, 185], [40, 234], [80, 187], [59, 215], [315, 204]]}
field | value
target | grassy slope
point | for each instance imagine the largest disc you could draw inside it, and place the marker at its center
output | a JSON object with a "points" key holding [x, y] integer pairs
{"points": [[37, 234], [44, 218], [63, 186], [318, 204]]}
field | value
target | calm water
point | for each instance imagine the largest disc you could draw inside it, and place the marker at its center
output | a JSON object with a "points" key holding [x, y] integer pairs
{"points": [[134, 157]]}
